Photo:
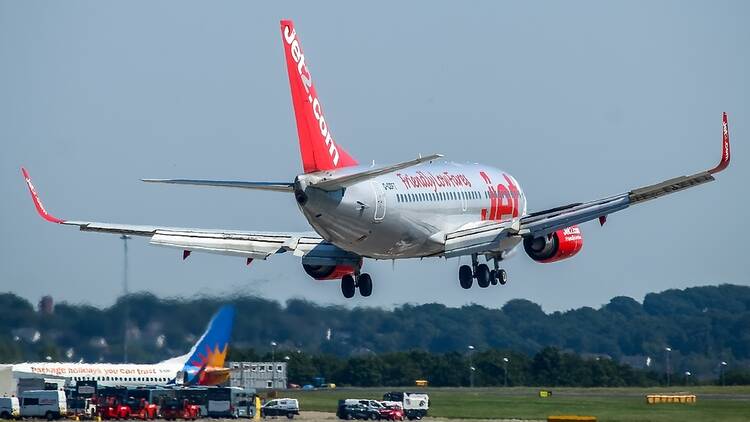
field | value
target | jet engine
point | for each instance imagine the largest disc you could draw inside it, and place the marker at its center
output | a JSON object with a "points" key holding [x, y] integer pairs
{"points": [[328, 272], [556, 246]]}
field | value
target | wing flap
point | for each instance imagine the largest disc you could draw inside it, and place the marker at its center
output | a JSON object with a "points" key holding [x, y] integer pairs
{"points": [[481, 237]]}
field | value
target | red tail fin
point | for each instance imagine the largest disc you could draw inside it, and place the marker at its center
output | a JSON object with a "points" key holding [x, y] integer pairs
{"points": [[319, 151]]}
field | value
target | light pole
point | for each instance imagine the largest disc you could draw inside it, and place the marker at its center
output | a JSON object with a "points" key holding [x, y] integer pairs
{"points": [[273, 364], [721, 372], [125, 296], [505, 370], [286, 359], [687, 375], [471, 366], [668, 369]]}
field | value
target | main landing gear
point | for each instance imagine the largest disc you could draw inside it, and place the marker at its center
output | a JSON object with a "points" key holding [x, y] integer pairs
{"points": [[350, 283], [482, 273]]}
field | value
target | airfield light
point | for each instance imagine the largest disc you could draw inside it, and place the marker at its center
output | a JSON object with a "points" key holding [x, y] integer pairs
{"points": [[721, 372], [687, 375]]}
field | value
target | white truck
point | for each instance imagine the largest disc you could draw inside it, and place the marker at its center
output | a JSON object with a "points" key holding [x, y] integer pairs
{"points": [[48, 404], [415, 405], [9, 408]]}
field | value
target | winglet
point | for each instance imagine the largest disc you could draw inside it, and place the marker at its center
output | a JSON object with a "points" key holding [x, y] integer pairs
{"points": [[724, 163], [38, 202]]}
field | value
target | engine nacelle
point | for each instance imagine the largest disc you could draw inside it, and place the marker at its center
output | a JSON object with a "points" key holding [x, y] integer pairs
{"points": [[328, 272], [557, 246]]}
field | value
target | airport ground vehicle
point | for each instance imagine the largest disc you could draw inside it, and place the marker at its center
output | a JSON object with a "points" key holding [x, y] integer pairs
{"points": [[415, 405], [356, 411], [10, 408], [229, 402], [392, 412], [174, 409], [81, 408], [142, 409], [280, 407], [244, 404], [48, 404], [112, 407]]}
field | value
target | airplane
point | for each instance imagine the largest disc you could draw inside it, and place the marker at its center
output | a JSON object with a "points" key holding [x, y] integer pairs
{"points": [[202, 365], [425, 207]]}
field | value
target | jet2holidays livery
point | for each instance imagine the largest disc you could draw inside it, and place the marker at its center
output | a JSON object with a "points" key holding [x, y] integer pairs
{"points": [[426, 207], [202, 365]]}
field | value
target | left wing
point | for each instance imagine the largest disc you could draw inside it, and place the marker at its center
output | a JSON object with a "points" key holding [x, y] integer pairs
{"points": [[548, 221], [249, 244], [482, 237]]}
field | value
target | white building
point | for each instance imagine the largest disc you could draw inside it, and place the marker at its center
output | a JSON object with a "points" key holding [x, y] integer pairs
{"points": [[258, 375]]}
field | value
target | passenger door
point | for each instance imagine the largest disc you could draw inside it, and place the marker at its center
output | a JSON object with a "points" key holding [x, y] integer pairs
{"points": [[379, 212]]}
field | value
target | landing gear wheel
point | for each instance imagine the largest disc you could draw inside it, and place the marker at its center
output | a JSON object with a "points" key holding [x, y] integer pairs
{"points": [[502, 276], [364, 282], [347, 286], [483, 275], [493, 277], [465, 277]]}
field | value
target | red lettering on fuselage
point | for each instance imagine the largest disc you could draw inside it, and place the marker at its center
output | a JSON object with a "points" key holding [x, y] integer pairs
{"points": [[503, 199]]}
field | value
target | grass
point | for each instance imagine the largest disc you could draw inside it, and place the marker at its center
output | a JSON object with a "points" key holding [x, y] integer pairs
{"points": [[607, 404]]}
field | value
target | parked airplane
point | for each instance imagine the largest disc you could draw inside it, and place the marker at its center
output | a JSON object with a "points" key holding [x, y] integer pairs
{"points": [[426, 207], [202, 365]]}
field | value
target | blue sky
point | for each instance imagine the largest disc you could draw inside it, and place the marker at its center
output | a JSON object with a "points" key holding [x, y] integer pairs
{"points": [[577, 100]]}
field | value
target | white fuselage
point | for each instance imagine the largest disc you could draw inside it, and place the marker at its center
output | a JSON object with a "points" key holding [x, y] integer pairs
{"points": [[106, 374], [406, 214]]}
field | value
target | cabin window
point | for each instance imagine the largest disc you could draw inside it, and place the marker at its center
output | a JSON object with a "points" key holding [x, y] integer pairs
{"points": [[30, 401]]}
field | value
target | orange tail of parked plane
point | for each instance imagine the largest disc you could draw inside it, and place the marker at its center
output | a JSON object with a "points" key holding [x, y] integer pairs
{"points": [[316, 144]]}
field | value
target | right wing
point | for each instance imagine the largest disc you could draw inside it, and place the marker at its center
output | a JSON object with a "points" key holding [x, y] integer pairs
{"points": [[249, 244], [489, 236]]}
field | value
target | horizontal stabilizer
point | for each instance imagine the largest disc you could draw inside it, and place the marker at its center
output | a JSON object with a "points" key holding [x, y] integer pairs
{"points": [[336, 183], [273, 186]]}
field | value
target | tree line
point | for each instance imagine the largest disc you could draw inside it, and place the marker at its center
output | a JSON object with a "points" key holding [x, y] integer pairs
{"points": [[549, 367], [703, 326]]}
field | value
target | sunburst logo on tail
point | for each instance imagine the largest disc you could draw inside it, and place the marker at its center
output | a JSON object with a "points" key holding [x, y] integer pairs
{"points": [[212, 358]]}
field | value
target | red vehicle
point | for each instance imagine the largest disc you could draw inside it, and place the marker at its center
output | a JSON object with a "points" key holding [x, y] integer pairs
{"points": [[392, 412], [112, 408], [142, 409], [174, 409]]}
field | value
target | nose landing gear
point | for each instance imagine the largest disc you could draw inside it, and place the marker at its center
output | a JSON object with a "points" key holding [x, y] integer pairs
{"points": [[350, 283], [482, 273]]}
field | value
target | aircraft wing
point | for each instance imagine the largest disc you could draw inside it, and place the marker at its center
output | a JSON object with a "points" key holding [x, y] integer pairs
{"points": [[485, 236], [249, 244], [272, 186]]}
